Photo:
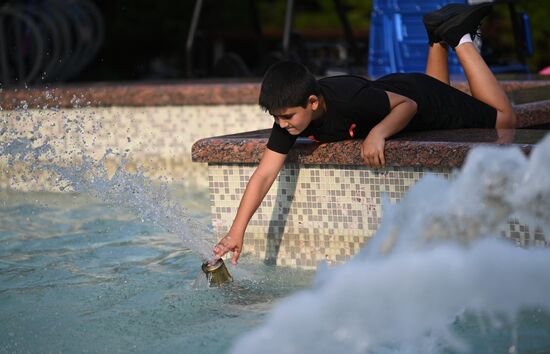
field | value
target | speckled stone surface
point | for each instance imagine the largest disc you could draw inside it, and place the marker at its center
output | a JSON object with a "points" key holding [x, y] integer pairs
{"points": [[203, 92], [533, 114], [443, 148], [104, 95]]}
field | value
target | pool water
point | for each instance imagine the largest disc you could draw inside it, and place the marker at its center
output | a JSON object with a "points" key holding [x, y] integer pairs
{"points": [[435, 278], [79, 275]]}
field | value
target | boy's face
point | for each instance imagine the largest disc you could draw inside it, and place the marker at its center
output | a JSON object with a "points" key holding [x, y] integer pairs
{"points": [[296, 119]]}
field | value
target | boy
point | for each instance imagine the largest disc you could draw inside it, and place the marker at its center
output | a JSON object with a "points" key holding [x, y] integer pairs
{"points": [[347, 107]]}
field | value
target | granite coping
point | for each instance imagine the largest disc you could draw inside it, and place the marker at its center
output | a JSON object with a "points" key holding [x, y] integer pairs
{"points": [[143, 94], [199, 92], [441, 148], [533, 114]]}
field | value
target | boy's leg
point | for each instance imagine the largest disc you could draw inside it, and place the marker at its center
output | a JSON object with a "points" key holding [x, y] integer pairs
{"points": [[484, 86], [456, 32], [437, 65]]}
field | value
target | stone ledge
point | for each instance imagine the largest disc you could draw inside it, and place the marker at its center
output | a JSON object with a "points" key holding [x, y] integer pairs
{"points": [[202, 92], [150, 94], [533, 114], [438, 149]]}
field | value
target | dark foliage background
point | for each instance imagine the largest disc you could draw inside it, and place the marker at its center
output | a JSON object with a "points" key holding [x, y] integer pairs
{"points": [[145, 40]]}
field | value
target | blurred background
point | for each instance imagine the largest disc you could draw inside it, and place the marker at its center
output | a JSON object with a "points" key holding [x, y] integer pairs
{"points": [[68, 41]]}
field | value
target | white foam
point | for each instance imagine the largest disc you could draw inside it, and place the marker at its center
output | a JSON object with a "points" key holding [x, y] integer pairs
{"points": [[434, 259]]}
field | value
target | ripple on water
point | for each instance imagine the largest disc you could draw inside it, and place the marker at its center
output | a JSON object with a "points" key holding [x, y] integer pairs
{"points": [[77, 275]]}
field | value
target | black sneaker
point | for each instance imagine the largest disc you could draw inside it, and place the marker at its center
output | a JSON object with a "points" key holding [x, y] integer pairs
{"points": [[452, 30], [434, 19]]}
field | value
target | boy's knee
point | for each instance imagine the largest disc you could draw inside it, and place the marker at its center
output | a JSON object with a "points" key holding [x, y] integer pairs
{"points": [[506, 119]]}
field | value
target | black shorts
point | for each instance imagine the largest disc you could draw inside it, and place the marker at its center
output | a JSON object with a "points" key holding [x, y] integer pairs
{"points": [[440, 106]]}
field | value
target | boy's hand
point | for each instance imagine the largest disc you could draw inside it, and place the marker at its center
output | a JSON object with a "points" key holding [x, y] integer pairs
{"points": [[229, 243], [372, 150]]}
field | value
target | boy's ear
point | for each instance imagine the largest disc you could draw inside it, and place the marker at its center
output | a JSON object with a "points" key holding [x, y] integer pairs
{"points": [[314, 101]]}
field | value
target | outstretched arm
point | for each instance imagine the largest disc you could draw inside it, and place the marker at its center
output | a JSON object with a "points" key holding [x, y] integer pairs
{"points": [[402, 109], [259, 184]]}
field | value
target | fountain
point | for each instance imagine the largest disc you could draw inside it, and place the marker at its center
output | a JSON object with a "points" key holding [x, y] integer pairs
{"points": [[114, 260], [435, 278]]}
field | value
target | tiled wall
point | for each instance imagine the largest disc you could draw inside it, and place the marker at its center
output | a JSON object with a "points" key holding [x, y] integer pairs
{"points": [[312, 213], [157, 139], [315, 212]]}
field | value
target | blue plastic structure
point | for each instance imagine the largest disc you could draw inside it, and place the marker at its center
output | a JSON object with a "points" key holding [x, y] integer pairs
{"points": [[398, 40]]}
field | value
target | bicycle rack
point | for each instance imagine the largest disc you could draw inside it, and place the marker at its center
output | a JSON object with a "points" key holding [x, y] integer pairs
{"points": [[47, 40]]}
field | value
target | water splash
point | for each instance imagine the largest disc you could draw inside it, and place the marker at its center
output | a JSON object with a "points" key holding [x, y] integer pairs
{"points": [[26, 149], [434, 278], [494, 184]]}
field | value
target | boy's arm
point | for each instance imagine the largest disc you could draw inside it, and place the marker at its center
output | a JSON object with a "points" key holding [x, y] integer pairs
{"points": [[402, 109], [259, 184]]}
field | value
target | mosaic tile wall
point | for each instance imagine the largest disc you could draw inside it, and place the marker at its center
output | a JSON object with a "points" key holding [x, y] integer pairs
{"points": [[157, 139], [315, 213]]}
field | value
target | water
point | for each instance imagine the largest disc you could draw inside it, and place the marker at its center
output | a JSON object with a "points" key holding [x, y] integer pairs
{"points": [[435, 278], [80, 275], [151, 200], [114, 266]]}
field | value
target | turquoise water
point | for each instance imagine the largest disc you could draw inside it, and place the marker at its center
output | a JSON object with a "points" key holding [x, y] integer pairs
{"points": [[79, 275], [435, 278]]}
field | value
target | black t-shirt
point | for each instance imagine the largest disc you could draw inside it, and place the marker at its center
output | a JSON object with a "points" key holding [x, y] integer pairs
{"points": [[355, 105]]}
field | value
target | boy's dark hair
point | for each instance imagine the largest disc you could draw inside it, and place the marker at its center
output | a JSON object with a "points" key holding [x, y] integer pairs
{"points": [[287, 84]]}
